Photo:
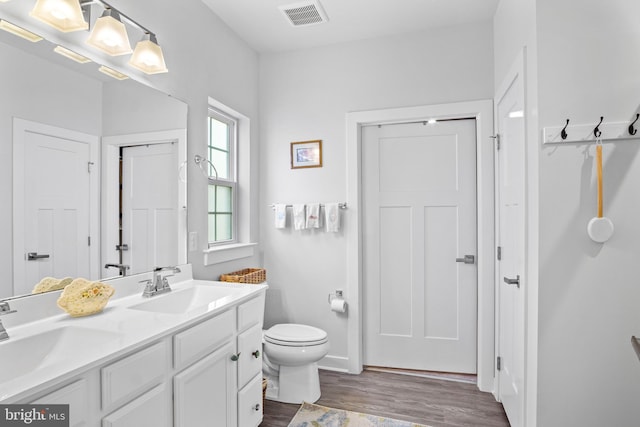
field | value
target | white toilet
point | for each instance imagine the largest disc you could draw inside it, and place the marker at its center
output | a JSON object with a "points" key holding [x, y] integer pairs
{"points": [[290, 362]]}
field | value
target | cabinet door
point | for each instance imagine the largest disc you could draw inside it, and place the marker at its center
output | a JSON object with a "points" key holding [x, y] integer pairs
{"points": [[150, 409], [205, 392], [74, 395], [250, 403], [250, 349]]}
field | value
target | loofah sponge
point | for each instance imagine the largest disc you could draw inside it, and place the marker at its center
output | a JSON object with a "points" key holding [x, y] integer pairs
{"points": [[51, 284], [83, 298]]}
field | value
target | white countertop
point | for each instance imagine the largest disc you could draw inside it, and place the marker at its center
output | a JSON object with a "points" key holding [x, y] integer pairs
{"points": [[125, 329]]}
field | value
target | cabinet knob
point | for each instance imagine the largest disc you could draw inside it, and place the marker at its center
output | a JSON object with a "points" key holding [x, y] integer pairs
{"points": [[256, 354], [235, 357], [256, 407]]}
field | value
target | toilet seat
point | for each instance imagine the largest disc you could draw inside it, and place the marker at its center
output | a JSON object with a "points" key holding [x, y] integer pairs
{"points": [[294, 335]]}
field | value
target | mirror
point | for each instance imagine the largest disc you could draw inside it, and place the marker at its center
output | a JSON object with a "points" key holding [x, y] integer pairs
{"points": [[130, 140]]}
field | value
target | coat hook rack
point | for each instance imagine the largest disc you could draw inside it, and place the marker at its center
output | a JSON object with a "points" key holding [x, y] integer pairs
{"points": [[596, 131], [632, 130], [563, 133]]}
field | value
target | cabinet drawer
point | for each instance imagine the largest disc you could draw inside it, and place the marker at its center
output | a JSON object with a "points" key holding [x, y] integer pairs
{"points": [[250, 403], [126, 379], [251, 313], [74, 395], [202, 339], [250, 349], [151, 409]]}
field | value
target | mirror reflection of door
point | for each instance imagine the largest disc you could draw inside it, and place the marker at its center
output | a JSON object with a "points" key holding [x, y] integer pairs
{"points": [[53, 191], [148, 191]]}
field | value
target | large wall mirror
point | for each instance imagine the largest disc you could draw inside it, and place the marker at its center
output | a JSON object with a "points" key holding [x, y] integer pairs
{"points": [[93, 170]]}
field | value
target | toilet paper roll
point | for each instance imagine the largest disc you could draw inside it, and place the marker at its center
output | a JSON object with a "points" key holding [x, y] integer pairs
{"points": [[338, 305]]}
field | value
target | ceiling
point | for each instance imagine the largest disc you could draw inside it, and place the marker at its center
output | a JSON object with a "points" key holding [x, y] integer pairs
{"points": [[266, 29]]}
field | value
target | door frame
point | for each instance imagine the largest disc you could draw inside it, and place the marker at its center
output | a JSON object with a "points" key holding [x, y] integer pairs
{"points": [[482, 111], [110, 185], [20, 128]]}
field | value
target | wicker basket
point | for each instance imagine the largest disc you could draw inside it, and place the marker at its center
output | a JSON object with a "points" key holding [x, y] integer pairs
{"points": [[248, 275]]}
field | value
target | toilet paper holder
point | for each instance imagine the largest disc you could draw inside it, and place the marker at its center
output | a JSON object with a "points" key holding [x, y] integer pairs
{"points": [[336, 294]]}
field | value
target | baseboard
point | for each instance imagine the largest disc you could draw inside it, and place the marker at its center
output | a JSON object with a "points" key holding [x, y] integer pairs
{"points": [[334, 363]]}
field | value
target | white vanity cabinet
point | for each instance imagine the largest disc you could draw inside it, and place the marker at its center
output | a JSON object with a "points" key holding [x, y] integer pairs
{"points": [[209, 373]]}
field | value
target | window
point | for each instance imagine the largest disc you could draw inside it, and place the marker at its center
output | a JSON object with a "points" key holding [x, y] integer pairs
{"points": [[222, 177]]}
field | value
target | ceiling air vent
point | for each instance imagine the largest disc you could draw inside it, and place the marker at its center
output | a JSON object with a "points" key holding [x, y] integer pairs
{"points": [[304, 13]]}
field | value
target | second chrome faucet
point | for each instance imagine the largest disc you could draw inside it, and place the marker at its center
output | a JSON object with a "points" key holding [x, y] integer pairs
{"points": [[159, 284]]}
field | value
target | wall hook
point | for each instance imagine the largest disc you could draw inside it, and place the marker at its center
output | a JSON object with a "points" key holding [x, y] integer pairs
{"points": [[563, 133], [596, 131], [632, 130]]}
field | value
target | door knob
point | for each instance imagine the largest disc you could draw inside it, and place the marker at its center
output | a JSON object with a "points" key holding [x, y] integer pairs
{"points": [[515, 281], [256, 354], [235, 357], [32, 256], [468, 259]]}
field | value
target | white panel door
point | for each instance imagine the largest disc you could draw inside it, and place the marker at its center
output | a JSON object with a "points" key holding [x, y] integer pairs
{"points": [[419, 187], [55, 175], [511, 239], [149, 210]]}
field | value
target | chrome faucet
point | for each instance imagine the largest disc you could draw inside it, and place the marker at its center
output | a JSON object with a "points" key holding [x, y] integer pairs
{"points": [[4, 309], [159, 284]]}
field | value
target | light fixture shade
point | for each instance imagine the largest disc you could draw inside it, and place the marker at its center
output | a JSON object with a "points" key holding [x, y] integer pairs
{"points": [[110, 35], [64, 15], [147, 56], [19, 31], [112, 73]]}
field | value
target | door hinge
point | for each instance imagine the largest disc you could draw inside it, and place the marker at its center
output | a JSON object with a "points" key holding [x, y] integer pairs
{"points": [[89, 164], [88, 240], [499, 363], [499, 253], [497, 138]]}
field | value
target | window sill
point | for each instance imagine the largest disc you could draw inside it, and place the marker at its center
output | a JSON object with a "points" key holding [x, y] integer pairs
{"points": [[225, 253]]}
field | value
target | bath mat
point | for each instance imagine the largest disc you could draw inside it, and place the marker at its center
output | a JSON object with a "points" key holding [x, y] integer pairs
{"points": [[310, 415]]}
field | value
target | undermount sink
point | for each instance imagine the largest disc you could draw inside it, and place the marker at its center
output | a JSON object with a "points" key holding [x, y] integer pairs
{"points": [[23, 355], [182, 301]]}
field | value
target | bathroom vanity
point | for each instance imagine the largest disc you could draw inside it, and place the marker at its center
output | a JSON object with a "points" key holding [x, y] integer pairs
{"points": [[190, 357]]}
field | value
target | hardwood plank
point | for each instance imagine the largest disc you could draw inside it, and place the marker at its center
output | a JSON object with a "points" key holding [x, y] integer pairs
{"points": [[438, 403]]}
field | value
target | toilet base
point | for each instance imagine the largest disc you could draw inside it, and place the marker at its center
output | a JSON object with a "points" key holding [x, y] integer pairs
{"points": [[294, 384]]}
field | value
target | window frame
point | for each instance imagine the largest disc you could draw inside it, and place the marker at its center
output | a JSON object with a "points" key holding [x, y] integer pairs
{"points": [[232, 181]]}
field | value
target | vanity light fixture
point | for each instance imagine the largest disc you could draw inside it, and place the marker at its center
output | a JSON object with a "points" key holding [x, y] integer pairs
{"points": [[109, 34], [63, 15], [71, 55], [19, 31], [112, 73], [147, 56]]}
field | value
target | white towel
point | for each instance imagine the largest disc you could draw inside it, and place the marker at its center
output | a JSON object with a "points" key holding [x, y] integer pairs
{"points": [[299, 217], [281, 215], [332, 217], [313, 215]]}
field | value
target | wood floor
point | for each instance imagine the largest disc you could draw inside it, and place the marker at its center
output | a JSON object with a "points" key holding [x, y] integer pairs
{"points": [[437, 403]]}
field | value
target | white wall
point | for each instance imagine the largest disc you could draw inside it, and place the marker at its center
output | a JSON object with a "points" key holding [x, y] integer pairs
{"points": [[305, 95], [36, 90], [589, 293]]}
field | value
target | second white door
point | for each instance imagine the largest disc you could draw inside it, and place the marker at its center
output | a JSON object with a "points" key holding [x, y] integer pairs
{"points": [[149, 211], [419, 188]]}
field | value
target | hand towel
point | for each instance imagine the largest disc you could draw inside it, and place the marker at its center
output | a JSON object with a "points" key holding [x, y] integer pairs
{"points": [[313, 215], [299, 217], [332, 217], [281, 215]]}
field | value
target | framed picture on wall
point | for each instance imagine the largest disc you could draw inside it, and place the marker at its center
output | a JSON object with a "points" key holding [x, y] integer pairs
{"points": [[306, 154]]}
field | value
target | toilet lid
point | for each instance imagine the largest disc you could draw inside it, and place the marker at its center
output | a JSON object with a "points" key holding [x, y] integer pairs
{"points": [[294, 334]]}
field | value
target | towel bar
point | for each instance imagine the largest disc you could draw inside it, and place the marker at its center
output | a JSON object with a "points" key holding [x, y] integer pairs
{"points": [[342, 205]]}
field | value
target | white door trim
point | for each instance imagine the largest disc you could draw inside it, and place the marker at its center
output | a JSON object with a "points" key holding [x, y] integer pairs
{"points": [[20, 128], [482, 111], [110, 190]]}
